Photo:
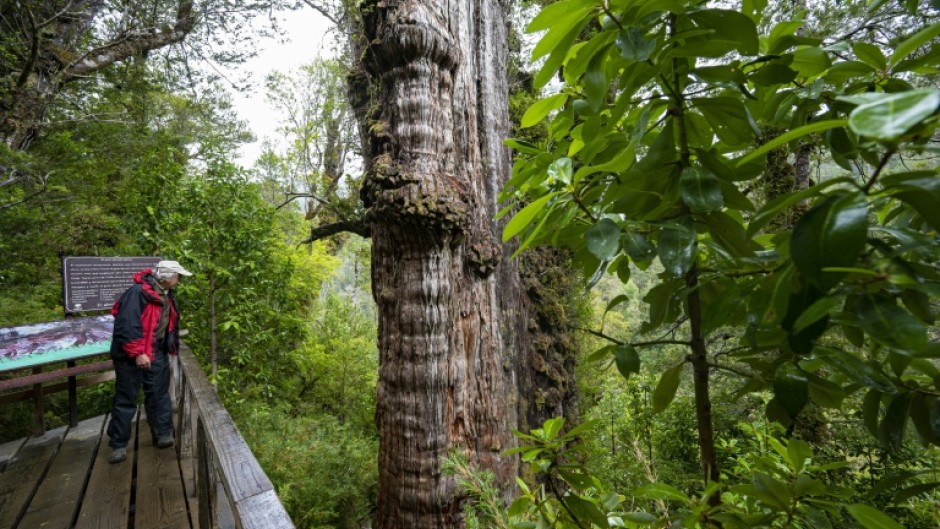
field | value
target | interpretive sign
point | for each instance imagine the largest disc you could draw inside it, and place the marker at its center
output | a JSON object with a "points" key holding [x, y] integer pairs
{"points": [[94, 283]]}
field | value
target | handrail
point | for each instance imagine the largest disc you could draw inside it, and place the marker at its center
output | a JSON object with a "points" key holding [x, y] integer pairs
{"points": [[208, 437]]}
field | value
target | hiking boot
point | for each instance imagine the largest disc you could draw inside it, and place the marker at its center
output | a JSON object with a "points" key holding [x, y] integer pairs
{"points": [[117, 455], [165, 441]]}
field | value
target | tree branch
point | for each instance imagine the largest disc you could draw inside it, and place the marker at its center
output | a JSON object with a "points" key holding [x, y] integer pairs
{"points": [[325, 12], [361, 227], [134, 44]]}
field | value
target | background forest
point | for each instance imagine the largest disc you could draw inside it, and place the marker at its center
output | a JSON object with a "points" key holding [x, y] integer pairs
{"points": [[811, 389]]}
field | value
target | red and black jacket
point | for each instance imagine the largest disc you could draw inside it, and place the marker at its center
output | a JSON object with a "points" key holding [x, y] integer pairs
{"points": [[136, 316]]}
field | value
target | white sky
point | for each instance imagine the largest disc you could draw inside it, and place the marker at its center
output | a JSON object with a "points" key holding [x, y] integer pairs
{"points": [[308, 36]]}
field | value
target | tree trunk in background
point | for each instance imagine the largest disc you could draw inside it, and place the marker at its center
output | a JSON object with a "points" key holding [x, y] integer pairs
{"points": [[448, 298]]}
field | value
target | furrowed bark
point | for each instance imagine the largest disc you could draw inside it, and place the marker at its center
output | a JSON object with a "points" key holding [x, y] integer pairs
{"points": [[444, 288]]}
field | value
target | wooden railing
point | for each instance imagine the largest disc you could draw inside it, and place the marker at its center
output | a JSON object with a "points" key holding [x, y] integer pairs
{"points": [[230, 488]]}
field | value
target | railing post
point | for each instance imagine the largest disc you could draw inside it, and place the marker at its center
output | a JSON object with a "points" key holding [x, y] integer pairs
{"points": [[204, 483], [38, 410], [73, 397]]}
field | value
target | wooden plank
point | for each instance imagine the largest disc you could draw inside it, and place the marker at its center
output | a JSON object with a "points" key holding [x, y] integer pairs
{"points": [[241, 473], [24, 474], [108, 495], [55, 388], [8, 451], [38, 377], [160, 501], [264, 510], [56, 502]]}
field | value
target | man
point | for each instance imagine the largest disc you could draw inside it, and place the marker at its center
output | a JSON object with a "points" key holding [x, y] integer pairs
{"points": [[146, 332]]}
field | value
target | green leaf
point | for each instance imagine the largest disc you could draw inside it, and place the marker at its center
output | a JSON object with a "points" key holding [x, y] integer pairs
{"points": [[925, 414], [925, 63], [870, 54], [525, 216], [700, 190], [807, 486], [603, 239], [816, 312], [871, 411], [560, 171], [779, 204], [559, 45], [542, 108], [791, 388], [921, 193], [913, 42], [522, 146], [729, 233], [676, 248], [914, 490], [842, 71], [794, 134], [810, 61], [639, 517], [662, 303], [719, 74], [731, 27], [637, 246], [578, 480], [798, 452], [826, 393], [831, 234], [633, 44], [596, 87], [872, 518], [891, 325], [666, 389], [616, 301], [622, 161], [728, 117], [892, 115], [627, 359], [557, 12], [585, 510], [856, 369], [918, 302], [773, 73], [660, 491], [771, 491]]}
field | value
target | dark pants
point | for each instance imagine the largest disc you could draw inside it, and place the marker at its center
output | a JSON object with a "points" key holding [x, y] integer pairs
{"points": [[156, 384]]}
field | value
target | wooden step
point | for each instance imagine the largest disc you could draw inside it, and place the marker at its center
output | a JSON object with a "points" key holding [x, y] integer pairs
{"points": [[107, 499]]}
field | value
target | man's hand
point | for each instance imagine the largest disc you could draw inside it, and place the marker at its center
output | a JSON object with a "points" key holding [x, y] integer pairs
{"points": [[143, 361]]}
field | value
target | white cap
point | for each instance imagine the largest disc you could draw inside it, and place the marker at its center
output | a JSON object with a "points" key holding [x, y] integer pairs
{"points": [[173, 266]]}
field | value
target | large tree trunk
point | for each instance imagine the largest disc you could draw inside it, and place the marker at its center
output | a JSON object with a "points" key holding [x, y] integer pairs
{"points": [[446, 293]]}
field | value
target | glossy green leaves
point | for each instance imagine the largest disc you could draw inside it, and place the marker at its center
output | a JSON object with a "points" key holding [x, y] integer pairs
{"points": [[890, 116], [676, 248], [700, 190], [666, 389], [603, 239], [830, 235]]}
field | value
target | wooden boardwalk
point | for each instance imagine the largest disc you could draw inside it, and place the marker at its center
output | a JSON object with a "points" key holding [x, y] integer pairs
{"points": [[62, 480]]}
